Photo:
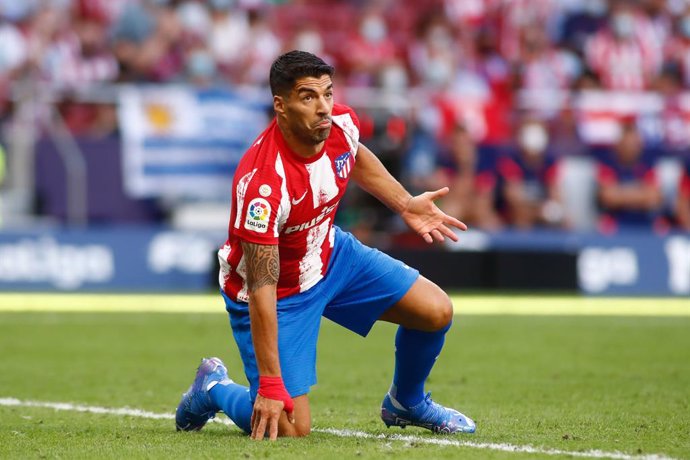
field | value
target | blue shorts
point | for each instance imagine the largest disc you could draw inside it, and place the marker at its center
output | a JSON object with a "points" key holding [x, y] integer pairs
{"points": [[361, 283]]}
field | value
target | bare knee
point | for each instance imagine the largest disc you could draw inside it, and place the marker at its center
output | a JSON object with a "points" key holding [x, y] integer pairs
{"points": [[425, 307], [301, 430], [296, 430], [441, 313], [302, 425]]}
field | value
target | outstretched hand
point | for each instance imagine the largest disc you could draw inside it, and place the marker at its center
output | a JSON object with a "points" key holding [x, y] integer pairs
{"points": [[423, 216]]}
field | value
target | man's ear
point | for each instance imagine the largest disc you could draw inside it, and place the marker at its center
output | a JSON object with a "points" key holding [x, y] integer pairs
{"points": [[279, 104]]}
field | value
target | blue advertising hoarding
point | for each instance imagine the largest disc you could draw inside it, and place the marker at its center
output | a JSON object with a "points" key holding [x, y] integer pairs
{"points": [[627, 263], [117, 259], [154, 259]]}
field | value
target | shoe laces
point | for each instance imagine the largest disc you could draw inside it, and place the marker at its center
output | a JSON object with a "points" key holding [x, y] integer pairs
{"points": [[434, 411]]}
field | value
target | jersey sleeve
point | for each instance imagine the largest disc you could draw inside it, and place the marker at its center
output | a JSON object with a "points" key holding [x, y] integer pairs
{"points": [[257, 200]]}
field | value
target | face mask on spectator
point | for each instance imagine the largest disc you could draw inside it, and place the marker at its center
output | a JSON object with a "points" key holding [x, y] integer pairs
{"points": [[685, 26], [437, 72], [623, 25], [194, 18], [309, 41], [373, 30], [394, 78], [533, 138]]}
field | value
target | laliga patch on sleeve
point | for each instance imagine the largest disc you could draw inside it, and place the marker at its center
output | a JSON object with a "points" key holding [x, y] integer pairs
{"points": [[258, 215]]}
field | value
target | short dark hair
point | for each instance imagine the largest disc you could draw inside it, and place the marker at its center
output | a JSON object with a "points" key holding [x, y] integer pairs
{"points": [[293, 65]]}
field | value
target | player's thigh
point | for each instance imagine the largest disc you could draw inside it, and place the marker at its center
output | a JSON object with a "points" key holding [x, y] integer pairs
{"points": [[424, 307], [302, 414]]}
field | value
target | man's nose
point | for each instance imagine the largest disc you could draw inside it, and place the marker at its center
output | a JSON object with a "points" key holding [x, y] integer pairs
{"points": [[322, 106]]}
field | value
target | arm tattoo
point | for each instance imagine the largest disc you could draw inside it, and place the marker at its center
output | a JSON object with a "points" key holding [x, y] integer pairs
{"points": [[263, 266]]}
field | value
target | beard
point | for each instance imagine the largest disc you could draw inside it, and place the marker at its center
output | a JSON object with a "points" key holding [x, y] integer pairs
{"points": [[312, 136]]}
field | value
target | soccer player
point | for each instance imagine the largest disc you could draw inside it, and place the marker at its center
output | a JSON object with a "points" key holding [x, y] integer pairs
{"points": [[285, 265]]}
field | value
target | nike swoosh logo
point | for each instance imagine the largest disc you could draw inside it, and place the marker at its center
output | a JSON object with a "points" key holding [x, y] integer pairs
{"points": [[298, 201]]}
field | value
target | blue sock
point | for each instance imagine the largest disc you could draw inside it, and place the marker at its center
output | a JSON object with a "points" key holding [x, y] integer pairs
{"points": [[234, 400], [415, 355]]}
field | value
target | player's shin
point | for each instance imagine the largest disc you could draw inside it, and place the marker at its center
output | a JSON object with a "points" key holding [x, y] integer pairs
{"points": [[415, 355], [235, 401]]}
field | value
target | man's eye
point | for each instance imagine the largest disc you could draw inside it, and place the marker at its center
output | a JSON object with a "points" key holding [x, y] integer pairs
{"points": [[307, 98]]}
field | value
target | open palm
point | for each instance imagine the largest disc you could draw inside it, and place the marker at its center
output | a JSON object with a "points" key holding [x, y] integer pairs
{"points": [[423, 216]]}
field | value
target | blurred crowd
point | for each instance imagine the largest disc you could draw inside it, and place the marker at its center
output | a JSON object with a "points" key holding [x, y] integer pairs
{"points": [[465, 60]]}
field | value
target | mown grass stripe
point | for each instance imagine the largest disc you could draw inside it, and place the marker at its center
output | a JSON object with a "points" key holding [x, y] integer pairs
{"points": [[437, 441], [464, 304]]}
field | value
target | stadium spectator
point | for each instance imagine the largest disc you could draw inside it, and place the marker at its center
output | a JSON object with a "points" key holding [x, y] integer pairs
{"points": [[369, 50], [14, 49], [262, 47], [625, 53], [581, 20], [469, 60], [146, 39], [497, 73], [515, 16], [432, 54], [423, 160], [564, 137], [682, 204], [678, 49], [79, 55], [528, 175], [628, 192], [472, 181], [659, 19], [228, 35], [542, 66], [194, 20], [13, 57]]}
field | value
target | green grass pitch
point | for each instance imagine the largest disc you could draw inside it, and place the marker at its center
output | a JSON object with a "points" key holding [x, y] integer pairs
{"points": [[617, 381]]}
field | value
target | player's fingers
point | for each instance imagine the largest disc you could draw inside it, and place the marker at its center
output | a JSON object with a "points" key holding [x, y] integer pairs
{"points": [[436, 194], [260, 429], [437, 235], [455, 223], [291, 417], [427, 238], [273, 428], [448, 232]]}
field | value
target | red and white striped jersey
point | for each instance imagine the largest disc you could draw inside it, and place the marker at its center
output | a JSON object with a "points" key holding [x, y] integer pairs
{"points": [[624, 64], [65, 64], [284, 199]]}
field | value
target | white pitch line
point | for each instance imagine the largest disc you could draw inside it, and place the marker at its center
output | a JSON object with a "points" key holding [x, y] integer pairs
{"points": [[124, 411], [96, 409]]}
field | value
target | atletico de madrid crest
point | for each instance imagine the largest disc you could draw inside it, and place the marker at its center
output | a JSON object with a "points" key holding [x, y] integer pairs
{"points": [[343, 165]]}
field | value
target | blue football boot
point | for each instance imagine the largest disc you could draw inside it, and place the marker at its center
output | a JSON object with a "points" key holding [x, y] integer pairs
{"points": [[196, 407], [426, 414]]}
